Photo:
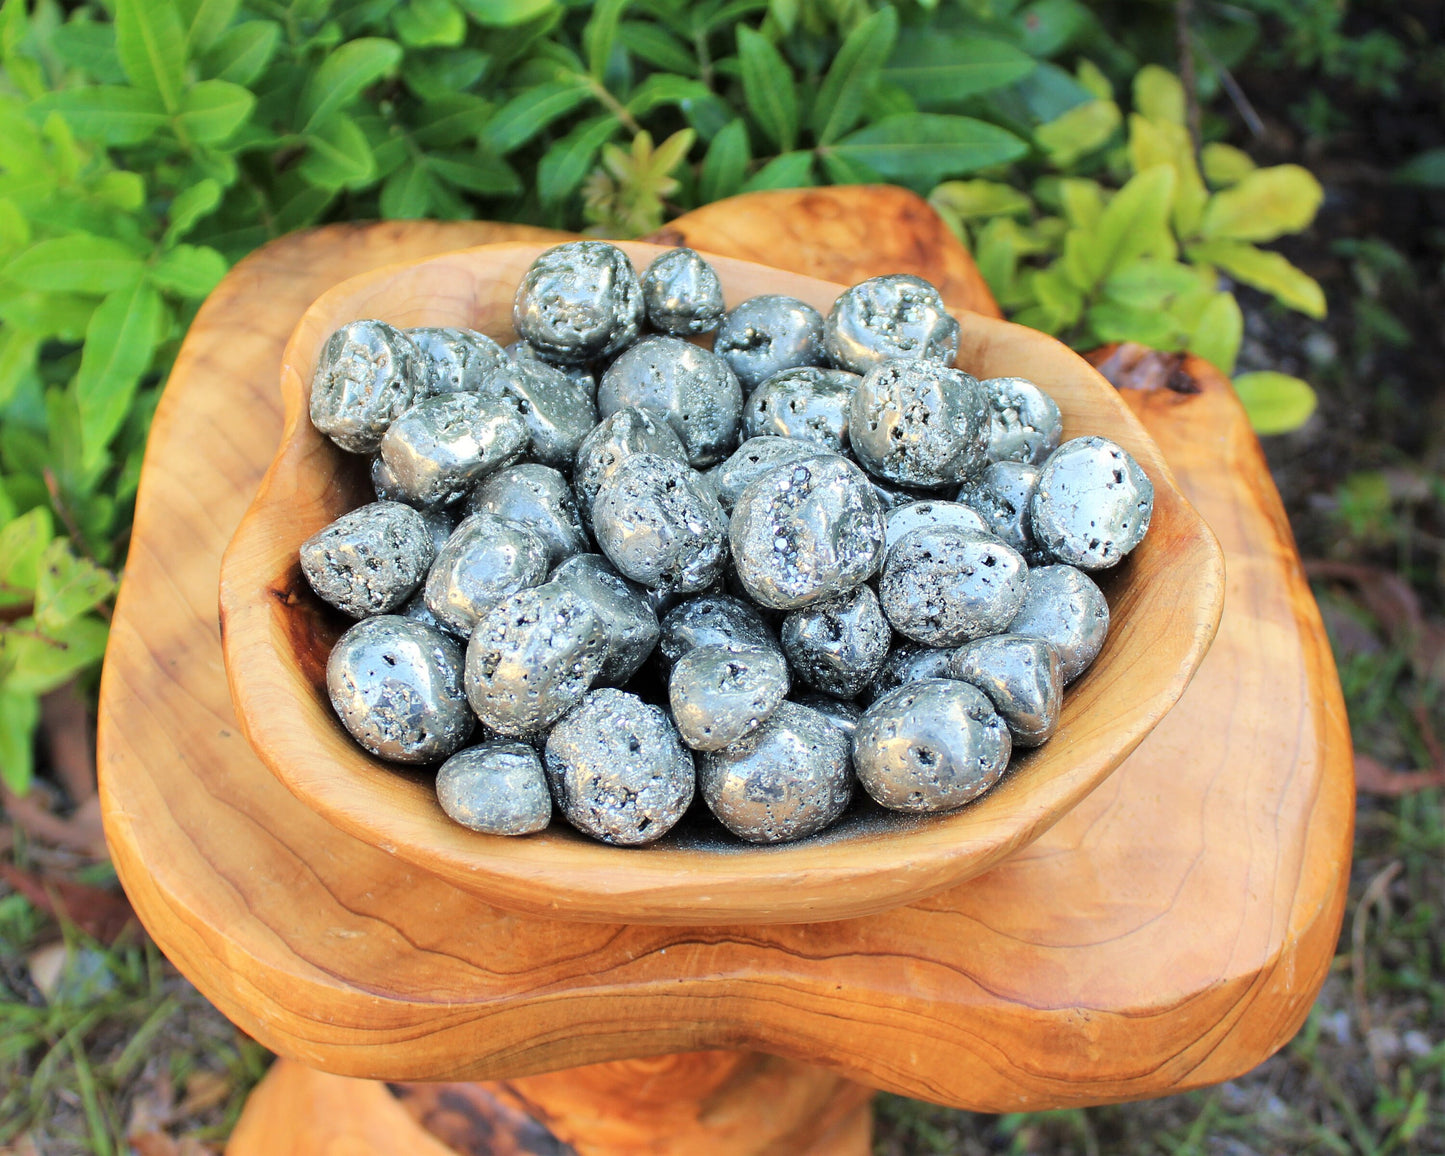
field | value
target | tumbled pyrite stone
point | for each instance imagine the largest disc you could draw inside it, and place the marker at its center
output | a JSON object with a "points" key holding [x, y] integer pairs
{"points": [[1021, 678], [441, 447], [627, 617], [838, 645], [751, 460], [452, 360], [768, 334], [895, 316], [1064, 606], [808, 403], [942, 586], [712, 620], [910, 662], [918, 423], [1092, 505], [370, 560], [1001, 494], [484, 560], [366, 378], [557, 411], [718, 694], [838, 711], [497, 788], [682, 294], [616, 437], [579, 301], [1024, 423], [539, 498], [916, 515]]}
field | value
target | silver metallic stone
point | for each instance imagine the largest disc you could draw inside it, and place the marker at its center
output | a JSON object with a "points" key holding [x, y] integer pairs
{"points": [[452, 360], [892, 496], [682, 294], [1001, 495], [910, 662], [383, 483], [768, 334], [712, 620], [1064, 606], [627, 616], [579, 302], [1021, 678], [416, 609], [808, 403], [441, 523], [751, 460], [1092, 505], [557, 411], [370, 560], [532, 657], [840, 712], [916, 515], [690, 386], [1024, 423], [484, 560], [719, 694], [809, 531], [918, 423], [942, 586], [930, 746], [367, 376], [539, 498], [787, 780], [439, 448], [616, 437], [659, 525], [838, 645], [618, 769], [578, 375], [497, 788], [897, 316], [396, 685]]}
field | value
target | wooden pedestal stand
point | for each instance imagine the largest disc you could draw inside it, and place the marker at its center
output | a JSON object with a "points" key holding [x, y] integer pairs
{"points": [[1170, 932]]}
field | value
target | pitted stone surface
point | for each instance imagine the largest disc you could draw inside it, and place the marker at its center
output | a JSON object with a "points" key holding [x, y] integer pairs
{"points": [[767, 334], [837, 646], [1064, 606], [441, 447], [751, 460], [809, 403], [497, 788], [918, 423], [943, 586], [1001, 495], [682, 294], [895, 316], [916, 515], [1024, 424], [712, 620], [539, 498], [1092, 505], [579, 301], [557, 411], [485, 559], [452, 360], [371, 560], [718, 694], [366, 377], [616, 437], [1020, 675], [627, 616]]}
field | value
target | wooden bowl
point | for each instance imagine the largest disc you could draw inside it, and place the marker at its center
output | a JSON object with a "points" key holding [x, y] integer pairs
{"points": [[1165, 601]]}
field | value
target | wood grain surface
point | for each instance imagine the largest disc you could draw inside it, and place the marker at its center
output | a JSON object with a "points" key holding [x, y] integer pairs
{"points": [[1170, 931], [1164, 599]]}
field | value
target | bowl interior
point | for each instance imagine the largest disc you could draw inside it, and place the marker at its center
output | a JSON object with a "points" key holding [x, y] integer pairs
{"points": [[1165, 600]]}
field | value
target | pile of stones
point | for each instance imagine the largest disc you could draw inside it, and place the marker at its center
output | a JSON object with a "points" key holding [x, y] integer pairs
{"points": [[603, 558]]}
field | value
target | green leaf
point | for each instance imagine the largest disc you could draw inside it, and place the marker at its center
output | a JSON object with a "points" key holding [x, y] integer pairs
{"points": [[189, 206], [1078, 132], [17, 359], [506, 13], [14, 228], [1266, 271], [529, 112], [938, 70], [726, 163], [1275, 402], [19, 716], [600, 34], [79, 263], [1263, 205], [1218, 333], [67, 586], [788, 171], [1059, 299], [1426, 169], [188, 270], [90, 47], [205, 21], [40, 664], [1082, 201], [978, 200], [1113, 321], [480, 174], [214, 109], [429, 24], [842, 169], [567, 162], [1157, 142], [120, 190], [111, 114], [119, 342], [1131, 222], [338, 156], [407, 193], [997, 255], [1148, 283], [1092, 78], [1047, 27], [930, 147], [785, 12], [768, 88], [656, 46], [853, 74], [344, 75], [241, 55], [22, 542], [1224, 164], [1158, 95], [152, 45], [660, 89], [449, 121]]}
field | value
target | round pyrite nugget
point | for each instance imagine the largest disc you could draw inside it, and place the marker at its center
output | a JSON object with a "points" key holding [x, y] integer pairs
{"points": [[690, 386], [578, 375], [808, 403], [557, 411], [1065, 607], [806, 532], [909, 662], [539, 498], [660, 525], [721, 693], [439, 448], [618, 769], [1001, 496], [712, 620], [453, 360], [1024, 423], [396, 685], [532, 657], [370, 560], [787, 780], [840, 712], [579, 302], [751, 460], [918, 423], [931, 745], [944, 586], [616, 437], [897, 316], [1021, 678], [627, 616], [916, 515], [497, 788], [1092, 504], [838, 645], [484, 560], [365, 379], [682, 294], [768, 334]]}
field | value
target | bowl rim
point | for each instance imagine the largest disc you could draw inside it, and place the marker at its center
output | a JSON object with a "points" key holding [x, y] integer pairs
{"points": [[813, 880]]}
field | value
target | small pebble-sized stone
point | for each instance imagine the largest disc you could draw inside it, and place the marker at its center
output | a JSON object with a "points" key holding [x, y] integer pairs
{"points": [[789, 779], [691, 387], [627, 616], [497, 788], [396, 685], [557, 411], [712, 620], [1092, 505], [751, 460], [441, 522], [1020, 675], [1024, 423], [441, 447], [808, 403], [837, 646], [1064, 606], [367, 376], [682, 294], [579, 302], [930, 746], [943, 586], [618, 769], [806, 532], [531, 658], [382, 483], [578, 375], [919, 423], [719, 694], [660, 525], [768, 334], [539, 498], [616, 437], [840, 712], [453, 360], [895, 316], [416, 609], [485, 559], [1001, 495], [916, 515], [909, 662], [370, 560]]}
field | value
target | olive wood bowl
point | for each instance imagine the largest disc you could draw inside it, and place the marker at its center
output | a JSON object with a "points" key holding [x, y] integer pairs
{"points": [[1165, 601]]}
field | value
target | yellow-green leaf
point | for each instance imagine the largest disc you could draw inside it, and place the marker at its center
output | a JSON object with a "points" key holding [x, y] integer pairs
{"points": [[1092, 77], [1276, 402], [1269, 272], [1078, 132], [1082, 201], [1263, 205], [1158, 95], [119, 341], [1218, 333], [22, 542], [1131, 222], [978, 200], [19, 716], [151, 42], [78, 263], [1224, 164], [67, 586]]}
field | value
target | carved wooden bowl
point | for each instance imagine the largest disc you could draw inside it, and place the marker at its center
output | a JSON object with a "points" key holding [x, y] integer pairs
{"points": [[1165, 601]]}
